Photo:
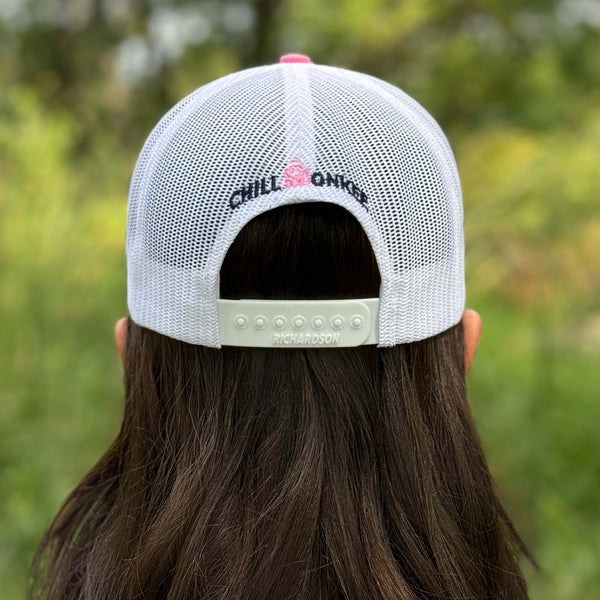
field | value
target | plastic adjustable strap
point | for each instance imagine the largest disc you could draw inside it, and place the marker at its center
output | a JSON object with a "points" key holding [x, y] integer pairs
{"points": [[298, 323]]}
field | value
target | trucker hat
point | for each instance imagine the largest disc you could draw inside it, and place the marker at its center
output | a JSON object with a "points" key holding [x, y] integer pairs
{"points": [[281, 134]]}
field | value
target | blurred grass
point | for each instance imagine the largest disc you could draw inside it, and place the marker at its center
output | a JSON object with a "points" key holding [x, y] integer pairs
{"points": [[533, 233]]}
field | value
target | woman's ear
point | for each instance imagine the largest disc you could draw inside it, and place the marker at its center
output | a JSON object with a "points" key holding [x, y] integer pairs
{"points": [[471, 324], [121, 338]]}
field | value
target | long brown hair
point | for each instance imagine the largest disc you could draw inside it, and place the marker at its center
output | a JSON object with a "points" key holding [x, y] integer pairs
{"points": [[267, 473]]}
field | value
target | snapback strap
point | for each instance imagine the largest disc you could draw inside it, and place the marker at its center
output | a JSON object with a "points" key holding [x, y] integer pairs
{"points": [[298, 323]]}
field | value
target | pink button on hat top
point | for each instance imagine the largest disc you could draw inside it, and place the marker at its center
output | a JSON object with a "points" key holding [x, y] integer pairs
{"points": [[294, 58]]}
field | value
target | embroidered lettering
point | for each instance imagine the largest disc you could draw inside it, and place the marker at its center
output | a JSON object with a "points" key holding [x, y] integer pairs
{"points": [[317, 179], [261, 187], [247, 193], [333, 180], [295, 175]]}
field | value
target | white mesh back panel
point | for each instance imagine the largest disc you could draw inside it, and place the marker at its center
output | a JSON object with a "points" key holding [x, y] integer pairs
{"points": [[282, 134]]}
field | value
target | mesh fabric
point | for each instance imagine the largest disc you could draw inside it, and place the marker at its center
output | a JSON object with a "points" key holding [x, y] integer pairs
{"points": [[282, 134]]}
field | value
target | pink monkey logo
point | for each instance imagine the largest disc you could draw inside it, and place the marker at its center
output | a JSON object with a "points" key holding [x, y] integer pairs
{"points": [[296, 174]]}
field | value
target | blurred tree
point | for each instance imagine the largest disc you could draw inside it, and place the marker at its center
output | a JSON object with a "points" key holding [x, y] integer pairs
{"points": [[113, 63]]}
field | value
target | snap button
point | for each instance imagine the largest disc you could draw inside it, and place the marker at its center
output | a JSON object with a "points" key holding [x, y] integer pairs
{"points": [[318, 322], [357, 321], [279, 322], [240, 321], [260, 321], [337, 322], [299, 321]]}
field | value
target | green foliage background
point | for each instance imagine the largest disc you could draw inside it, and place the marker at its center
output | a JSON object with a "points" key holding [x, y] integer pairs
{"points": [[514, 85]]}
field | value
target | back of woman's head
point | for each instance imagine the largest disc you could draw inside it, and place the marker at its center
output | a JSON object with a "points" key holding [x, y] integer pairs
{"points": [[282, 473]]}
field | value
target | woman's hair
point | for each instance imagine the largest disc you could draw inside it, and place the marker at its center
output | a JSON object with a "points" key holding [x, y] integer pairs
{"points": [[269, 473]]}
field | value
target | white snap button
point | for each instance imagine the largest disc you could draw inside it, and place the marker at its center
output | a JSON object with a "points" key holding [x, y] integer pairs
{"points": [[260, 322], [357, 321], [337, 322], [299, 321], [240, 321], [279, 322], [318, 322]]}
